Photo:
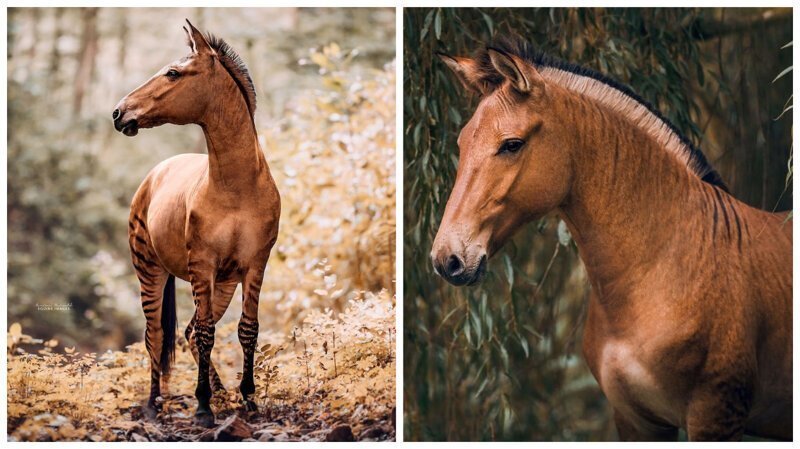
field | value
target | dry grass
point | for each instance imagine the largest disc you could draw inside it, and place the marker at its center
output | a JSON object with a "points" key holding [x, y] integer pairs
{"points": [[330, 371]]}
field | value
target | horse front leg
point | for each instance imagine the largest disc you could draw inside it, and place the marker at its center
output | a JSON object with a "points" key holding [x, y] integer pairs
{"points": [[202, 279], [718, 411], [223, 293], [640, 429], [248, 332]]}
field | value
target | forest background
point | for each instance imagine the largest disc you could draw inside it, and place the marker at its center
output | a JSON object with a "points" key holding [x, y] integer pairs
{"points": [[325, 82], [502, 361]]}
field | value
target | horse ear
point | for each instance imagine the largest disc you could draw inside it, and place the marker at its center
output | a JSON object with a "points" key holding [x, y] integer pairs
{"points": [[189, 40], [466, 71], [523, 75], [197, 42]]}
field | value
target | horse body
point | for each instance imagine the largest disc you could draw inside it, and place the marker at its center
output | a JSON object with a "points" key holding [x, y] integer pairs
{"points": [[690, 313], [658, 346], [210, 220], [691, 299], [686, 290], [171, 193]]}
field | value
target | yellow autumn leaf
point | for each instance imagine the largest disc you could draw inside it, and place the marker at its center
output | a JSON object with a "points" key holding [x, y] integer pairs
{"points": [[320, 60], [334, 49]]}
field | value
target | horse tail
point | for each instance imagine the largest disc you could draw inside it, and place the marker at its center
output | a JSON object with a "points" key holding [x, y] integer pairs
{"points": [[169, 324]]}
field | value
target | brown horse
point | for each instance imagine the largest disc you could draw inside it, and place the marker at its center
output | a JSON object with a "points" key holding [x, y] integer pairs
{"points": [[690, 316], [211, 220]]}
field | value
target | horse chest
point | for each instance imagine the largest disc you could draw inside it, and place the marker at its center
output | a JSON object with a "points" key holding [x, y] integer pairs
{"points": [[235, 236], [633, 386]]}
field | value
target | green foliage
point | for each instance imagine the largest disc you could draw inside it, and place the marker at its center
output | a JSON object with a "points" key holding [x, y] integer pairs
{"points": [[502, 360], [787, 107]]}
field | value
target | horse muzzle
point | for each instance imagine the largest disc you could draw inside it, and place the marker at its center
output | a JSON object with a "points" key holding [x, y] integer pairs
{"points": [[455, 270], [129, 127]]}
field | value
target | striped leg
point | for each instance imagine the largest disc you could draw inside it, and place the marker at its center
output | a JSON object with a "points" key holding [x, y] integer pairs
{"points": [[248, 332], [202, 279], [152, 279], [223, 293]]}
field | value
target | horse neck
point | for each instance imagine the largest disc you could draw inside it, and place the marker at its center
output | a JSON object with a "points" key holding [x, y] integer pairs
{"points": [[628, 197], [234, 156]]}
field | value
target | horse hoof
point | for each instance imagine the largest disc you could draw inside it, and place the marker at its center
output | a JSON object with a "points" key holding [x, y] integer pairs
{"points": [[150, 412], [250, 406], [204, 419]]}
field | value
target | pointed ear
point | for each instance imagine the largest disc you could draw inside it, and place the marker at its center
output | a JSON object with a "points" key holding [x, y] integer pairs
{"points": [[466, 71], [523, 75], [197, 42], [189, 40]]}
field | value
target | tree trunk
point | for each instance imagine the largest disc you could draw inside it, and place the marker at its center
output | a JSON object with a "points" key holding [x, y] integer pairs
{"points": [[123, 38], [87, 56], [31, 53], [55, 53]]}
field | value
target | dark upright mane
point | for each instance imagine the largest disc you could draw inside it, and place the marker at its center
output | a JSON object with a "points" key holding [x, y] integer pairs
{"points": [[492, 79], [234, 64]]}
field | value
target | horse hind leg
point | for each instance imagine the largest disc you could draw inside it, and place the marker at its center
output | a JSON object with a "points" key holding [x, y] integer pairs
{"points": [[152, 281], [223, 293]]}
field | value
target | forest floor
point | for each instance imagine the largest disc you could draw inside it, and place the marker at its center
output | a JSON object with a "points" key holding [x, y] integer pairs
{"points": [[332, 379]]}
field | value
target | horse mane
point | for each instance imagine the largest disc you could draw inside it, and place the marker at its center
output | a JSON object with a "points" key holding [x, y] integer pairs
{"points": [[604, 89], [234, 64]]}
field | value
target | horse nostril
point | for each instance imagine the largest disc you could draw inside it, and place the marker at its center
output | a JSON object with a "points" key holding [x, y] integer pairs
{"points": [[115, 114], [454, 266]]}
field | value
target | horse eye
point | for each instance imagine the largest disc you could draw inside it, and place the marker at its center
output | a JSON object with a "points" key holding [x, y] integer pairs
{"points": [[172, 73], [511, 146]]}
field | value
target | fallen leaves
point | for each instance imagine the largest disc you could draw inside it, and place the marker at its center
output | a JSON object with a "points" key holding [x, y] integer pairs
{"points": [[90, 397]]}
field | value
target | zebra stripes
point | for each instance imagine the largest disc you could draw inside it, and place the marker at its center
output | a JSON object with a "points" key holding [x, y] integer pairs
{"points": [[157, 291]]}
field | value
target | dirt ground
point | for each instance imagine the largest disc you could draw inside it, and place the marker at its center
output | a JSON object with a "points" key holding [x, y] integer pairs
{"points": [[309, 387]]}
